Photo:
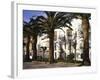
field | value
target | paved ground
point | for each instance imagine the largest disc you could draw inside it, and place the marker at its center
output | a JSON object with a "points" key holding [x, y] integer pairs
{"points": [[37, 64]]}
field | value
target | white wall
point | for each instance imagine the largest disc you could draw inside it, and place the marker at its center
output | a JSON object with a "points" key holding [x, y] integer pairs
{"points": [[5, 38]]}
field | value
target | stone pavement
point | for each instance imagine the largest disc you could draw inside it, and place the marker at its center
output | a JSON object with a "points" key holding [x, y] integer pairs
{"points": [[37, 65]]}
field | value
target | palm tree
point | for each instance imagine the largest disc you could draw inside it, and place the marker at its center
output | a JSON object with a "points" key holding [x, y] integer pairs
{"points": [[69, 34], [26, 33], [50, 22], [31, 29], [86, 28], [35, 30]]}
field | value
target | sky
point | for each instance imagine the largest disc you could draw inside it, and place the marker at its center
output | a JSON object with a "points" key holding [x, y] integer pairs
{"points": [[27, 14]]}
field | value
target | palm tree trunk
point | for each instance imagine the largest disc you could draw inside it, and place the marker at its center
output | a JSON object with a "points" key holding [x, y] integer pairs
{"points": [[86, 27], [75, 52], [51, 47], [27, 47], [75, 46], [70, 47], [34, 47]]}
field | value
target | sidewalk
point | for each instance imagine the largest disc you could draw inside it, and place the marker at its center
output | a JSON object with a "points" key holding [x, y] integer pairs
{"points": [[37, 64]]}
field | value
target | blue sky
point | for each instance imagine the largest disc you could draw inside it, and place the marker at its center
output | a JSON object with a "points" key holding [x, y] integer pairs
{"points": [[27, 14]]}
